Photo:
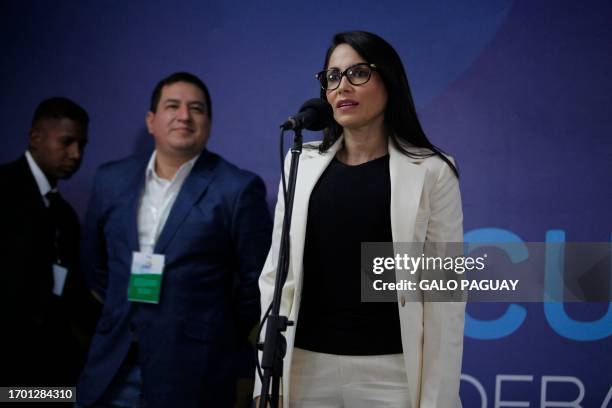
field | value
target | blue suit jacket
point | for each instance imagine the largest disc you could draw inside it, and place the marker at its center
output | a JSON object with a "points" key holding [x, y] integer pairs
{"points": [[215, 241]]}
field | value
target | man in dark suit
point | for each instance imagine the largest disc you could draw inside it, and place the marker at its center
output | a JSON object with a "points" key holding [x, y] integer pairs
{"points": [[43, 296], [174, 244]]}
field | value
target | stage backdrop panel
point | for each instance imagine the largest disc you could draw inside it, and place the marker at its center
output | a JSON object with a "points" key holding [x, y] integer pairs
{"points": [[519, 92]]}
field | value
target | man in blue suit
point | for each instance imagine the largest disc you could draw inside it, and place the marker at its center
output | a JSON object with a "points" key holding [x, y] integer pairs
{"points": [[173, 245]]}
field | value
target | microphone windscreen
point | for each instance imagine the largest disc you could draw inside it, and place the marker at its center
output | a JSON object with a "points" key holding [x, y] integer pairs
{"points": [[322, 114]]}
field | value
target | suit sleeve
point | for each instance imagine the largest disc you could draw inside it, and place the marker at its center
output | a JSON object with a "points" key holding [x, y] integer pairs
{"points": [[443, 321], [251, 230], [93, 247]]}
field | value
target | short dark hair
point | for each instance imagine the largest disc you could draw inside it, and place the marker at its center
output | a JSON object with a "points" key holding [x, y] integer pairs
{"points": [[180, 77], [60, 107], [401, 121]]}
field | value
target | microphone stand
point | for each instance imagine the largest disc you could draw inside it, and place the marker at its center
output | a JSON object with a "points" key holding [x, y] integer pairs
{"points": [[275, 345]]}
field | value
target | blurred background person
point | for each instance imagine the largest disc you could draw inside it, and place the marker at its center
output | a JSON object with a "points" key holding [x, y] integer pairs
{"points": [[47, 312], [202, 226]]}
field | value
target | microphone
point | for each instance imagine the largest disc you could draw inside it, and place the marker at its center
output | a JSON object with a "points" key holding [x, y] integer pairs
{"points": [[315, 114]]}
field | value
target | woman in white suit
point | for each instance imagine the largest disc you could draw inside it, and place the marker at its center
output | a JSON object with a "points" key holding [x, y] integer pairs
{"points": [[375, 177]]}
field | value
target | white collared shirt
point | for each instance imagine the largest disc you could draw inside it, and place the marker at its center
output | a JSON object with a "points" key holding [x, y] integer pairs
{"points": [[41, 180], [156, 201]]}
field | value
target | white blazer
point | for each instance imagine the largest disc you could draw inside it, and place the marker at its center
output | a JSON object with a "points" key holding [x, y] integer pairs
{"points": [[425, 206]]}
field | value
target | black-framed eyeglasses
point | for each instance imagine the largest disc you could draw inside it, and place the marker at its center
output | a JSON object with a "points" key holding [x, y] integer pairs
{"points": [[357, 74]]}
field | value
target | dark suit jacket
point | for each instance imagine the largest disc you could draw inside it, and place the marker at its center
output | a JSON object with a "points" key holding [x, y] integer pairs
{"points": [[44, 336], [215, 241]]}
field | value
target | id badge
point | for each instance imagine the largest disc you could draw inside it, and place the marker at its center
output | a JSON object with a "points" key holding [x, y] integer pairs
{"points": [[146, 277], [59, 278]]}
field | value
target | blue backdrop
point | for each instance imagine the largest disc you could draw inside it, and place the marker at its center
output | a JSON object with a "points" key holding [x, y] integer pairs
{"points": [[520, 92]]}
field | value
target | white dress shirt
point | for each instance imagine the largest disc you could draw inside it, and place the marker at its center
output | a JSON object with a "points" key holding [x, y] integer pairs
{"points": [[41, 180], [157, 199]]}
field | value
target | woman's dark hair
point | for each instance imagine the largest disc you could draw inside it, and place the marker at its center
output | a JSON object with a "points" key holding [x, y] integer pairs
{"points": [[400, 120]]}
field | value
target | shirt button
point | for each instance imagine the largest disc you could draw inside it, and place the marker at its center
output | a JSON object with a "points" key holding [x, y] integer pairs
{"points": [[403, 300]]}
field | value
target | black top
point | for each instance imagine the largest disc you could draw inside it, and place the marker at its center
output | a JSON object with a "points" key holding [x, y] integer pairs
{"points": [[348, 205]]}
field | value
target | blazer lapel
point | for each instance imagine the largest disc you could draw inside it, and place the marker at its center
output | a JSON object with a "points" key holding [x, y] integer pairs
{"points": [[29, 187], [195, 185], [407, 180], [132, 202], [312, 165]]}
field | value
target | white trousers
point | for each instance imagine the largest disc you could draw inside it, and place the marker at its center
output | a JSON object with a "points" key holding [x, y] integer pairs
{"points": [[321, 380]]}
